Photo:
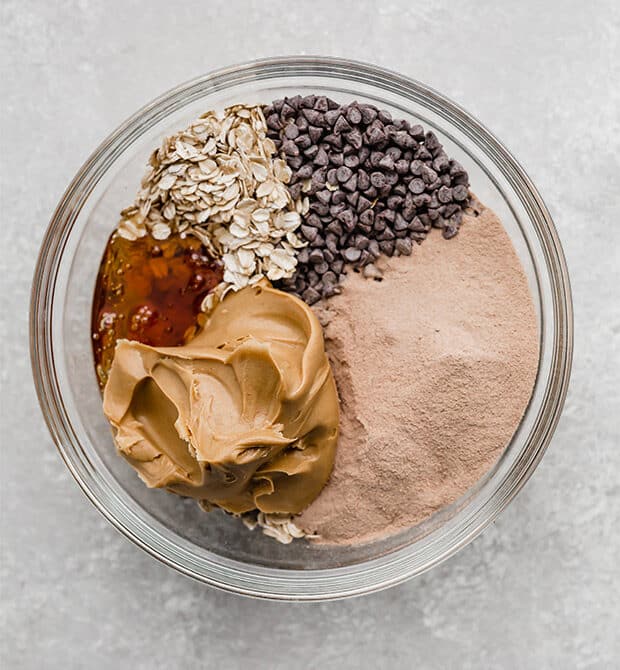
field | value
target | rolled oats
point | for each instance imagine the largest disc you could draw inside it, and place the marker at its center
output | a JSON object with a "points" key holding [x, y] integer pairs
{"points": [[219, 180], [280, 527]]}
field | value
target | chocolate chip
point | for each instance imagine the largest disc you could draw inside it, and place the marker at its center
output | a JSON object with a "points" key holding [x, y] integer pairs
{"points": [[367, 217], [428, 174], [400, 223], [391, 178], [295, 191], [377, 179], [319, 208], [309, 232], [307, 102], [287, 111], [351, 161], [431, 141], [362, 204], [403, 139], [416, 167], [331, 104], [375, 136], [316, 256], [388, 215], [441, 163], [338, 197], [354, 116], [416, 186], [401, 166], [343, 174], [305, 171], [303, 141], [351, 183], [423, 154], [332, 177], [444, 194], [416, 225], [291, 131], [459, 193], [273, 122], [400, 188], [290, 148], [336, 228], [404, 246], [361, 241], [379, 225], [387, 234], [394, 201], [333, 140], [324, 196], [315, 133], [368, 113], [387, 162], [313, 220], [337, 266], [422, 200], [342, 125], [354, 138], [348, 220], [351, 254], [352, 198], [321, 103], [331, 116], [387, 247], [450, 231], [363, 180], [311, 295], [312, 116]]}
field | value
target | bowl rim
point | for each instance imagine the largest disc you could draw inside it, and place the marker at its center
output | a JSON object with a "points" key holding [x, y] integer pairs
{"points": [[330, 583]]}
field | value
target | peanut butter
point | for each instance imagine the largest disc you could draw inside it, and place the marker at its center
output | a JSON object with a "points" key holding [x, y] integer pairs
{"points": [[245, 416]]}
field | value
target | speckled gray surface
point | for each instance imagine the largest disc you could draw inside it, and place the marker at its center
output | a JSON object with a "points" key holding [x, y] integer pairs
{"points": [[540, 588]]}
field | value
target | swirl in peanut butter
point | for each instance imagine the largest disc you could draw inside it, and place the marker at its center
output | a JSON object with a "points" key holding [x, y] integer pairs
{"points": [[245, 416]]}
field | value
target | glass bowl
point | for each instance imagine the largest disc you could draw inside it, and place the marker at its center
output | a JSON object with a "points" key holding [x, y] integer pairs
{"points": [[215, 548]]}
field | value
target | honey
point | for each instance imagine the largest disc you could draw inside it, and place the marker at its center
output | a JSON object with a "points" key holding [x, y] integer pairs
{"points": [[150, 291]]}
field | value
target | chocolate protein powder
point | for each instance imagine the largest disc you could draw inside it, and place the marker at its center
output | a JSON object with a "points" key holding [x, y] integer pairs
{"points": [[435, 366]]}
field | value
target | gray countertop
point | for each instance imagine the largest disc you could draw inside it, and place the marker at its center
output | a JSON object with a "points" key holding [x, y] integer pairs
{"points": [[540, 588]]}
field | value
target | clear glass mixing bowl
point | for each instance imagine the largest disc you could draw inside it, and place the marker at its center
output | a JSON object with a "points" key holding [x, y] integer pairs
{"points": [[215, 548]]}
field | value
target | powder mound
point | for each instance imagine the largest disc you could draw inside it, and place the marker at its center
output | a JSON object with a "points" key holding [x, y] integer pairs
{"points": [[435, 366]]}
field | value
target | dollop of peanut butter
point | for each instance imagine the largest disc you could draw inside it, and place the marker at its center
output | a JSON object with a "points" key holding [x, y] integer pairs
{"points": [[245, 416]]}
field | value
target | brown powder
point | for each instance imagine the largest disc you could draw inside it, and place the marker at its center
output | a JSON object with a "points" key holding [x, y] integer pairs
{"points": [[435, 366]]}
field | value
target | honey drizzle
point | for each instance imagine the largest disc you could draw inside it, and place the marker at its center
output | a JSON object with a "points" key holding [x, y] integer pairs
{"points": [[150, 291]]}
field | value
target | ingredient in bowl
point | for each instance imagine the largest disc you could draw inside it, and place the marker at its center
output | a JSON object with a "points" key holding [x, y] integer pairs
{"points": [[150, 291], [220, 179], [244, 417], [375, 186], [454, 336]]}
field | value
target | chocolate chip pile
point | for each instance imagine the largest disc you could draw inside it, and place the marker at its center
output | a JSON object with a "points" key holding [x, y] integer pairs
{"points": [[375, 186]]}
